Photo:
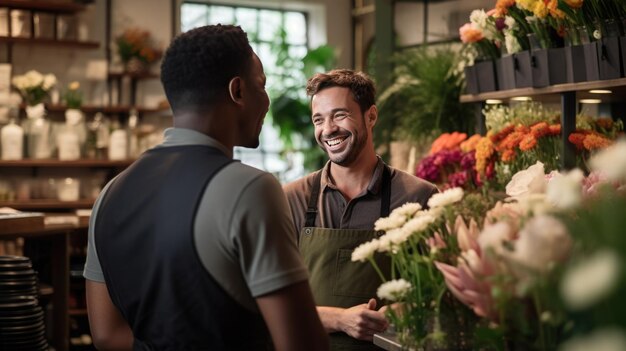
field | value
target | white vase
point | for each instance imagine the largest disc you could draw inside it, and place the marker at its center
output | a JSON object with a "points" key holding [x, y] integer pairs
{"points": [[38, 132], [12, 137]]}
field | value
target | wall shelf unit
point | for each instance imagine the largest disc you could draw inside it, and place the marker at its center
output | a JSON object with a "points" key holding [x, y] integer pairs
{"points": [[568, 95]]}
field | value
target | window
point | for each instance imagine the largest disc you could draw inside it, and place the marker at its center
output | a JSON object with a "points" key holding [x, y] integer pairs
{"points": [[263, 26]]}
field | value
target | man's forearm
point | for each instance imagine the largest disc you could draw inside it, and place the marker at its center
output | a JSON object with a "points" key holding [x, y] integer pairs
{"points": [[330, 318]]}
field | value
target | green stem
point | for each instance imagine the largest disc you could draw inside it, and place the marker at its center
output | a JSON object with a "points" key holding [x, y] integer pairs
{"points": [[380, 274], [538, 311]]}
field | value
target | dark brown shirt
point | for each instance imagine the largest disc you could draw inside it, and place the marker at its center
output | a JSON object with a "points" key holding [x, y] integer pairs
{"points": [[362, 211]]}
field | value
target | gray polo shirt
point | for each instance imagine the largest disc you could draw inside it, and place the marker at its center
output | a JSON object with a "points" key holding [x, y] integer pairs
{"points": [[254, 251], [362, 211]]}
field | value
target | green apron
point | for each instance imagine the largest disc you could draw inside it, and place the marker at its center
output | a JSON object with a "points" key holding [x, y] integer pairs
{"points": [[336, 280]]}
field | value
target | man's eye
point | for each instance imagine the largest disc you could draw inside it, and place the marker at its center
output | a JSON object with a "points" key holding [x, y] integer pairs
{"points": [[340, 116], [317, 121]]}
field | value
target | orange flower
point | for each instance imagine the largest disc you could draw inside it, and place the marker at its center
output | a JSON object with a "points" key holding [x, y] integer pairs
{"points": [[508, 155], [484, 150], [511, 141], [594, 142], [555, 129], [447, 141], [554, 11], [503, 6], [522, 129], [470, 144], [502, 134], [528, 142], [577, 139], [470, 34], [575, 4], [540, 129]]}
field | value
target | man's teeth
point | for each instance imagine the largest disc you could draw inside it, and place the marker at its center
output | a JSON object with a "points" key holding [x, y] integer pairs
{"points": [[334, 142]]}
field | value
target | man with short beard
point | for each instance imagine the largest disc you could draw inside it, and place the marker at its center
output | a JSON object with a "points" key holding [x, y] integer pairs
{"points": [[334, 209]]}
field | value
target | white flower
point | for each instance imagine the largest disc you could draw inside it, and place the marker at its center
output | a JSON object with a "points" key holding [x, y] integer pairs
{"points": [[479, 18], [385, 242], [365, 251], [493, 237], [418, 224], [586, 283], [543, 240], [49, 81], [408, 209], [511, 43], [528, 181], [597, 34], [393, 290], [565, 191], [606, 339], [611, 162], [510, 23], [394, 221], [446, 198]]}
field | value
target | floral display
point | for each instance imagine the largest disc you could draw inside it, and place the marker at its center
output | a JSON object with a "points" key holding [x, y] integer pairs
{"points": [[515, 25], [73, 97], [539, 270], [34, 86], [137, 44]]}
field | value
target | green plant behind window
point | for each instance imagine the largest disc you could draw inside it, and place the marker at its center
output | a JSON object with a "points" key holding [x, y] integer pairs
{"points": [[424, 98], [290, 108]]}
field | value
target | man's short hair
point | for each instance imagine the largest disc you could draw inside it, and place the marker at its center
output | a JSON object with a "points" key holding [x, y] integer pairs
{"points": [[361, 86], [199, 63]]}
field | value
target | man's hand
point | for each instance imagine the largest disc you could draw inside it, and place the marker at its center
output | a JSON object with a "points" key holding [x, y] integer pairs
{"points": [[360, 322]]}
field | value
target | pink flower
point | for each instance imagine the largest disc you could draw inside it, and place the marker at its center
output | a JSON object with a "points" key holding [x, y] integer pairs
{"points": [[469, 34], [469, 287], [467, 237]]}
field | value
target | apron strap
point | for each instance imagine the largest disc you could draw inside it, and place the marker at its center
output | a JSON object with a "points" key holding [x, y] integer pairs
{"points": [[385, 203], [311, 211]]}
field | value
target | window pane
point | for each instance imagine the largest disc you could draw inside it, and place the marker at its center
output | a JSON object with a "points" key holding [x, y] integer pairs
{"points": [[268, 58], [221, 14], [295, 25], [192, 16], [262, 27], [247, 19], [270, 22]]}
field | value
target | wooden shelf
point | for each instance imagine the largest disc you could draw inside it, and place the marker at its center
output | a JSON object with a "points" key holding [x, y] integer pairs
{"points": [[106, 109], [618, 86], [48, 204], [52, 42], [50, 6], [54, 163], [143, 75], [77, 312]]}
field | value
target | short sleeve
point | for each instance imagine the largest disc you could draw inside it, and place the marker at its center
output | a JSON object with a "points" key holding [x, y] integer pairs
{"points": [[93, 270], [262, 232]]}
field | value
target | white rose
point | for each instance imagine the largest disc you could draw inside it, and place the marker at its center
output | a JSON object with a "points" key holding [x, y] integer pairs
{"points": [[529, 181], [611, 162], [33, 78], [543, 240], [565, 190], [49, 81]]}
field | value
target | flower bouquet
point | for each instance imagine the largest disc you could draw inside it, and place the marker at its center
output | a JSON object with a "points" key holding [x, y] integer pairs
{"points": [[137, 49], [542, 270], [34, 88]]}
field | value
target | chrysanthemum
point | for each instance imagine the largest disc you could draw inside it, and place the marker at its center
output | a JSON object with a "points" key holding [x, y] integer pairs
{"points": [[393, 290]]}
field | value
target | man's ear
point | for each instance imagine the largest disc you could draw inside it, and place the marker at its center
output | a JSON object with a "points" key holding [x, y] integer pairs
{"points": [[235, 87], [372, 116]]}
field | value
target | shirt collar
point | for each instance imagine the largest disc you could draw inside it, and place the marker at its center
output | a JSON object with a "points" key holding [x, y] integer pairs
{"points": [[183, 136], [373, 186]]}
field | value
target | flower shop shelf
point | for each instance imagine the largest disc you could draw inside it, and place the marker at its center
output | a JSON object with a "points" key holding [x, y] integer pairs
{"points": [[107, 109], [47, 204], [50, 6], [52, 42], [53, 163], [550, 93], [567, 95]]}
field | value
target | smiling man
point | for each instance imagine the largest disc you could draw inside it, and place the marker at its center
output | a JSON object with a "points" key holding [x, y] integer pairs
{"points": [[334, 209]]}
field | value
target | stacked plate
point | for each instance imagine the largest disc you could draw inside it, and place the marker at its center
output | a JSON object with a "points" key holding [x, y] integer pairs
{"points": [[21, 318]]}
